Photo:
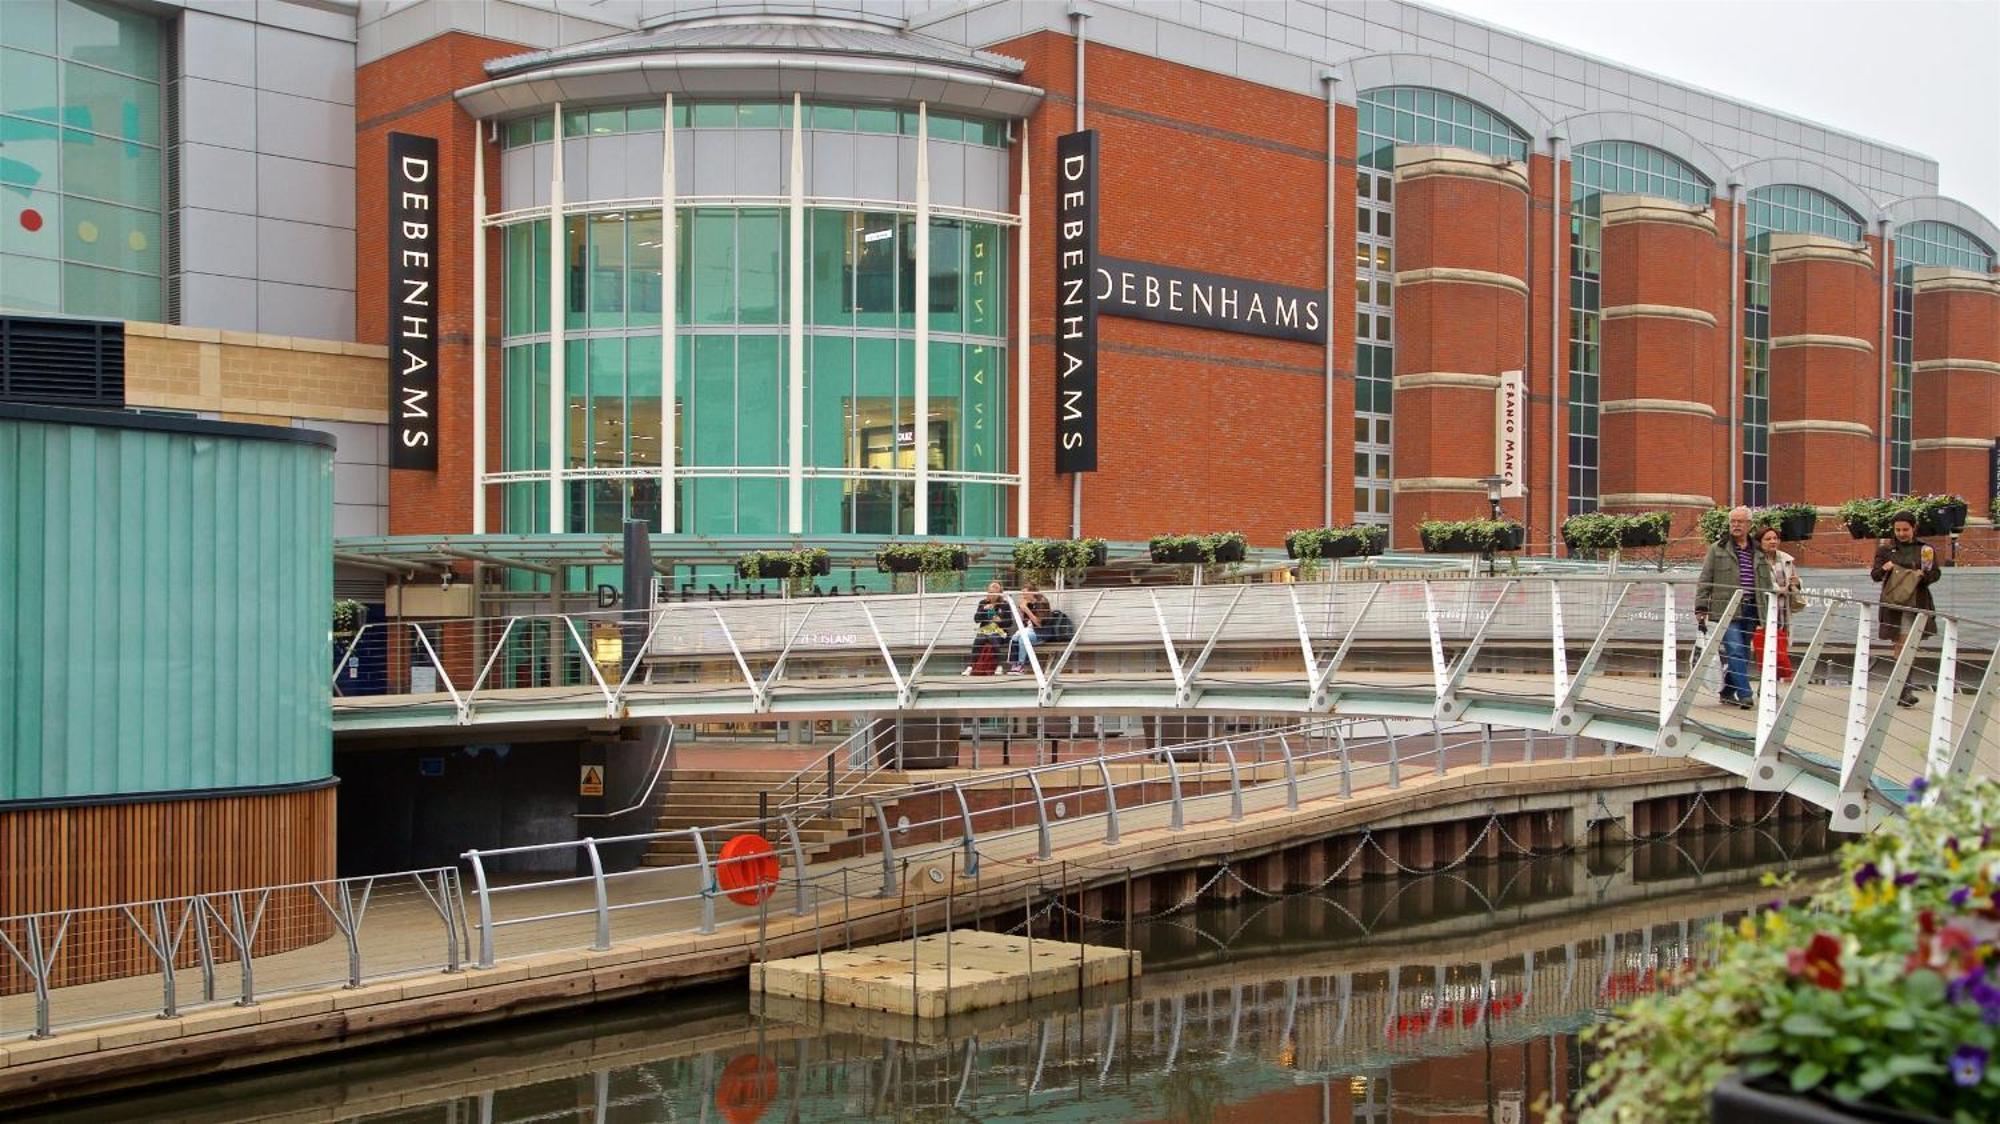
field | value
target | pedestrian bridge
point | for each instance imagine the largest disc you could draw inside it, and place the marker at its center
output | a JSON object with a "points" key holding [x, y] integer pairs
{"points": [[1614, 660]]}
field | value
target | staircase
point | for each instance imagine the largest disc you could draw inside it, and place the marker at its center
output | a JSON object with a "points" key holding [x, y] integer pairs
{"points": [[709, 797]]}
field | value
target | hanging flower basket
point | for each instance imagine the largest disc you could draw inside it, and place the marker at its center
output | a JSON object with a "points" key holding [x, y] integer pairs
{"points": [[766, 565], [1471, 536], [920, 558], [1358, 541], [1197, 550]]}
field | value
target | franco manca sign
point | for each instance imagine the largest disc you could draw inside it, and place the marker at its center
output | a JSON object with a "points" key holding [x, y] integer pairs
{"points": [[413, 306]]}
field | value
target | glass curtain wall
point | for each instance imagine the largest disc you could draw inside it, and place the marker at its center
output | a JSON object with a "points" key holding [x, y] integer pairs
{"points": [[1918, 244], [80, 144], [730, 399], [1598, 169], [1388, 117], [1780, 209]]}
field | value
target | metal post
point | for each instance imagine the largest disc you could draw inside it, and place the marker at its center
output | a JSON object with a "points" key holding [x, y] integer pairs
{"points": [[1044, 846], [482, 892], [603, 941], [1110, 804], [707, 883], [798, 867], [1177, 818], [888, 849], [1291, 776], [965, 823], [1235, 785]]}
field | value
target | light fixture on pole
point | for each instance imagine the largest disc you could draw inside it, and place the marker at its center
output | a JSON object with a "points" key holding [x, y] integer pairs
{"points": [[1493, 486]]}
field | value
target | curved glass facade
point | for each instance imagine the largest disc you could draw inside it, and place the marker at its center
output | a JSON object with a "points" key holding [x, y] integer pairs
{"points": [[1918, 244], [731, 394], [1385, 118], [1598, 169], [1780, 209]]}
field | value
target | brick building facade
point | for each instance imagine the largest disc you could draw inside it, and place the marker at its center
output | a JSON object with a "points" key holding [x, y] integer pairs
{"points": [[1693, 326]]}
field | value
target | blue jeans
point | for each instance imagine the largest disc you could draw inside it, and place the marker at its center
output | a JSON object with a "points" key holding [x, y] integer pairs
{"points": [[1017, 648], [1736, 658]]}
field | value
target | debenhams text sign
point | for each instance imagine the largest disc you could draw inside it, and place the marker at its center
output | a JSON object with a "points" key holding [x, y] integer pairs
{"points": [[1076, 312], [1208, 300], [413, 305]]}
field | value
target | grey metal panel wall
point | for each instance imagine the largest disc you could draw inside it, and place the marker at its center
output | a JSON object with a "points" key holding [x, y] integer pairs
{"points": [[164, 606]]}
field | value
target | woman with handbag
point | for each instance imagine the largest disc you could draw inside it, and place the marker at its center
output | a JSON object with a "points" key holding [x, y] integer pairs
{"points": [[1907, 568], [1785, 585]]}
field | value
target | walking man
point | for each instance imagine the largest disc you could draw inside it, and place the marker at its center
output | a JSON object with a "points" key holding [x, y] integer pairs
{"points": [[1734, 563]]}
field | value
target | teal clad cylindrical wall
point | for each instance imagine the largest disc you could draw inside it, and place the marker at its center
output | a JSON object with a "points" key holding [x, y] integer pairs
{"points": [[165, 593]]}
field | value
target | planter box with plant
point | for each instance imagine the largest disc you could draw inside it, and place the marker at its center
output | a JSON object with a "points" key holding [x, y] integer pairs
{"points": [[1870, 518], [1197, 550], [920, 558], [1601, 531], [1043, 558], [1714, 523], [1318, 543], [796, 566], [1470, 536], [347, 617], [1878, 998], [1795, 521]]}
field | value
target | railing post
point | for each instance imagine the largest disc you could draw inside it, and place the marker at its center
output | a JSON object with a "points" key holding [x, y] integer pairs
{"points": [[888, 850], [965, 823], [798, 866], [1235, 784], [1395, 762], [481, 891], [1044, 846], [1177, 818], [1110, 803], [1346, 766], [603, 941], [1291, 776], [707, 873]]}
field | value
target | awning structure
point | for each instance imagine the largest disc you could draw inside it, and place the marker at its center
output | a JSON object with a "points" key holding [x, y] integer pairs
{"points": [[548, 554]]}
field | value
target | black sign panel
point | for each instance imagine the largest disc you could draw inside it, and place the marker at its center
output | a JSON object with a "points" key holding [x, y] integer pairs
{"points": [[413, 305], [1209, 300], [1076, 311]]}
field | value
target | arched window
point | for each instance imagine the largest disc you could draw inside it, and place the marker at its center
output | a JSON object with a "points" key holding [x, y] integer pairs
{"points": [[1778, 209], [1917, 244], [1597, 169], [1385, 118]]}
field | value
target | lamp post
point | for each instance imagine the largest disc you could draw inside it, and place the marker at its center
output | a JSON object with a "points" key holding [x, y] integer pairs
{"points": [[1493, 486]]}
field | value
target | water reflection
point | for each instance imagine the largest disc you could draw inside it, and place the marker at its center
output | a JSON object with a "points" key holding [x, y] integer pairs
{"points": [[1453, 996]]}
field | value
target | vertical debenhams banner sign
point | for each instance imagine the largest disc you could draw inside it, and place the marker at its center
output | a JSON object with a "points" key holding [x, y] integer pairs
{"points": [[1076, 306], [413, 306]]}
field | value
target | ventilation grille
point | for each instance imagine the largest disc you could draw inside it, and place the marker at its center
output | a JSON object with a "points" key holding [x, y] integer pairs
{"points": [[62, 362], [170, 186]]}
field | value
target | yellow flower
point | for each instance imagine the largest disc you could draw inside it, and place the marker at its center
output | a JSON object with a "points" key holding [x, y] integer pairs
{"points": [[1747, 929], [1774, 923]]}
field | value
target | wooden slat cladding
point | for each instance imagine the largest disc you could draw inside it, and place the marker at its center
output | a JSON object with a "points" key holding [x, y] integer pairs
{"points": [[79, 856]]}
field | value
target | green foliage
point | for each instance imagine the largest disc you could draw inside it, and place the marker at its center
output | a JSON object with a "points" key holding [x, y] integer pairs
{"points": [[1608, 531], [797, 566], [1208, 544], [346, 616], [1714, 523], [928, 557], [1873, 515], [1322, 542], [1040, 559], [1883, 987], [1473, 535]]}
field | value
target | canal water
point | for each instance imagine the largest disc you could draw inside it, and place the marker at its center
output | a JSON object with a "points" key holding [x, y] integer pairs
{"points": [[1457, 995]]}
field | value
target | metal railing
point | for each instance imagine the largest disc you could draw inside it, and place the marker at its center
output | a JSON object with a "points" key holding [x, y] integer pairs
{"points": [[1610, 658], [1008, 817], [74, 967]]}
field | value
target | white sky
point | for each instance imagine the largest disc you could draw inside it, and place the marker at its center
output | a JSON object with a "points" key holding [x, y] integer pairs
{"points": [[1923, 75]]}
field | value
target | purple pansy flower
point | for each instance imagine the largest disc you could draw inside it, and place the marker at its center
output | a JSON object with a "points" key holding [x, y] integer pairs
{"points": [[1968, 1065], [1907, 878], [1960, 896], [1867, 873], [1917, 788]]}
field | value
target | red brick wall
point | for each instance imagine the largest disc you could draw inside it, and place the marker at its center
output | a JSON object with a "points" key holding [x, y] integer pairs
{"points": [[1454, 221], [1963, 402], [1199, 430], [410, 92], [1667, 264], [1820, 382]]}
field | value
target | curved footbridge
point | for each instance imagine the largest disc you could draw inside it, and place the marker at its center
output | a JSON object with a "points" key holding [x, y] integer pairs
{"points": [[1616, 661]]}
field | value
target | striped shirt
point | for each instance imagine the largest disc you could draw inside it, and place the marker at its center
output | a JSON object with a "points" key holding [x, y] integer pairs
{"points": [[1746, 576]]}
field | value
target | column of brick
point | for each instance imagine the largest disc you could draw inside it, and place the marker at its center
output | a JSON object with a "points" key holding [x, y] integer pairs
{"points": [[1660, 338], [1825, 382], [1461, 320], [1955, 365]]}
